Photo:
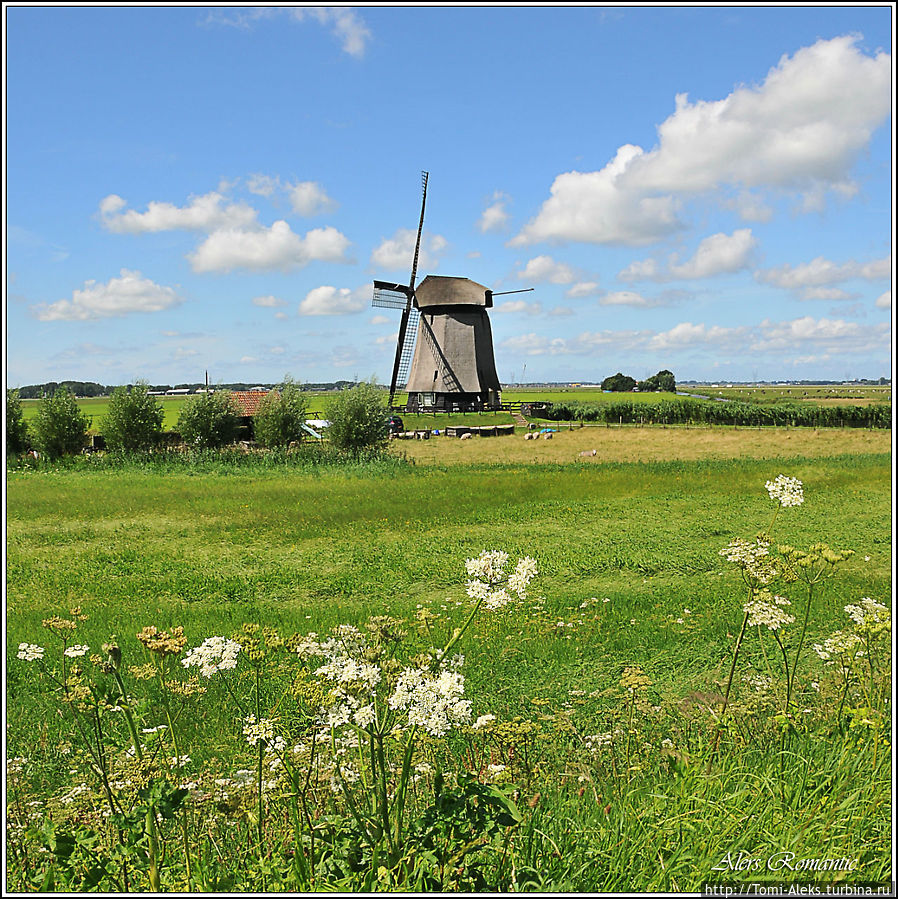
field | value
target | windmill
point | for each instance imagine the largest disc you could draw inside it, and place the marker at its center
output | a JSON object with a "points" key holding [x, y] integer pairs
{"points": [[444, 349]]}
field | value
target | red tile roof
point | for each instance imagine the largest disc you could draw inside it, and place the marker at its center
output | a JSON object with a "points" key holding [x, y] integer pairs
{"points": [[248, 401]]}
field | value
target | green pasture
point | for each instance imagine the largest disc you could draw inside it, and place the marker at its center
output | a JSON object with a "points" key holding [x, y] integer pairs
{"points": [[835, 394], [630, 575]]}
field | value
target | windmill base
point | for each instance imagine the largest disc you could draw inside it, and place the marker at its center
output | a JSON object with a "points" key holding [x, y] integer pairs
{"points": [[453, 402]]}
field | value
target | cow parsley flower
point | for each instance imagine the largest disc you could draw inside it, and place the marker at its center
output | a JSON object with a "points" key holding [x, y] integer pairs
{"points": [[786, 491], [433, 701], [30, 652], [74, 652], [489, 583], [212, 655], [766, 610], [869, 616], [752, 558]]}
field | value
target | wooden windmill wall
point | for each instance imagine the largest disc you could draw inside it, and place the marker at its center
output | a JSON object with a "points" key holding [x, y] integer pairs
{"points": [[453, 366]]}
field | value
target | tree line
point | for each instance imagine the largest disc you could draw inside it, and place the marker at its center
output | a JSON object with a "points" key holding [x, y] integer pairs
{"points": [[133, 422]]}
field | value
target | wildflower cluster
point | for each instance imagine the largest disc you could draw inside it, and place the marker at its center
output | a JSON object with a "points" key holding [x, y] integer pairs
{"points": [[212, 655], [765, 610], [262, 731], [786, 491], [752, 557], [870, 617], [489, 582], [433, 701], [163, 643], [30, 652]]}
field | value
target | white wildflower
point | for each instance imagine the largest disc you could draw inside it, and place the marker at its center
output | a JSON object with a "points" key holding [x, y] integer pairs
{"points": [[766, 610], [74, 652], [30, 652], [364, 716], [212, 655], [842, 645], [483, 721], [262, 730], [870, 616], [753, 558], [785, 491], [433, 702]]}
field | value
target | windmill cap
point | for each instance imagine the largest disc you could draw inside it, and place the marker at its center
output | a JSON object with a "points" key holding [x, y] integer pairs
{"points": [[436, 290]]}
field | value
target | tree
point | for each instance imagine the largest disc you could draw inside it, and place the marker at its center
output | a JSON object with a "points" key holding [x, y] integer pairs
{"points": [[60, 427], [16, 427], [664, 381], [619, 383], [209, 420], [359, 418], [133, 420], [281, 416]]}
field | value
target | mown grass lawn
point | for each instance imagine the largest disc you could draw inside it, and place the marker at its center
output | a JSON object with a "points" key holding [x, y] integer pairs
{"points": [[630, 575]]}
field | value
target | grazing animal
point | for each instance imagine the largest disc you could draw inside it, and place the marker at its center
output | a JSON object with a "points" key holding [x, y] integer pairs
{"points": [[465, 437], [588, 453], [547, 436]]}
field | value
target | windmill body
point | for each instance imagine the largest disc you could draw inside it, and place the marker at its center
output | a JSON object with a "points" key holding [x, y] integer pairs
{"points": [[453, 366]]}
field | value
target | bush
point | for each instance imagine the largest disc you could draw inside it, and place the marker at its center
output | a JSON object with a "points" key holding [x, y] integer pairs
{"points": [[16, 428], [209, 420], [359, 418], [281, 416], [619, 383], [60, 427], [134, 419]]}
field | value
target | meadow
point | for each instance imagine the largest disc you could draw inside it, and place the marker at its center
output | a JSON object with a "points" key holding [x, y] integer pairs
{"points": [[643, 734]]}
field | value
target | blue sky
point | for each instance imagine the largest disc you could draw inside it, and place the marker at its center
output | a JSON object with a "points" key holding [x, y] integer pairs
{"points": [[706, 190]]}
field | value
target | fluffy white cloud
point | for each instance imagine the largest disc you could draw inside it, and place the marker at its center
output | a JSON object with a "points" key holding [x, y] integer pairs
{"points": [[884, 301], [263, 185], [378, 320], [801, 130], [830, 335], [686, 334], [718, 254], [328, 300], [309, 198], [206, 213], [520, 306], [398, 251], [582, 289], [629, 298], [269, 302], [495, 216], [751, 208], [119, 296], [545, 270], [267, 249], [810, 279]]}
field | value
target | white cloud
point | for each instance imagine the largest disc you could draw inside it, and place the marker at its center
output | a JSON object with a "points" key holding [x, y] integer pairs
{"points": [[309, 198], [398, 251], [345, 23], [119, 296], [245, 360], [263, 185], [751, 208], [206, 213], [328, 300], [267, 249], [719, 254], [810, 279], [495, 216], [582, 289], [830, 335], [801, 130], [269, 302], [884, 301], [378, 320], [561, 311], [544, 269], [629, 298], [520, 306], [686, 334]]}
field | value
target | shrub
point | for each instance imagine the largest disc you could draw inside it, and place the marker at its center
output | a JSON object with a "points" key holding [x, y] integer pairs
{"points": [[16, 428], [209, 420], [60, 427], [133, 420], [619, 383], [358, 418], [281, 416]]}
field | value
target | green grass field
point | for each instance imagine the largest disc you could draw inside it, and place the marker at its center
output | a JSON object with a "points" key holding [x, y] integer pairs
{"points": [[630, 575]]}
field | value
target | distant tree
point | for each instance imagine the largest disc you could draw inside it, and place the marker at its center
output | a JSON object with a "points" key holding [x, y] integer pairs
{"points": [[281, 416], [59, 427], [133, 421], [619, 383], [209, 420], [16, 427], [664, 381], [359, 418]]}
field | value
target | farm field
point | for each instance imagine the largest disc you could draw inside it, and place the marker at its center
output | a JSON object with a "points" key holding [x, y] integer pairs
{"points": [[826, 394], [600, 680]]}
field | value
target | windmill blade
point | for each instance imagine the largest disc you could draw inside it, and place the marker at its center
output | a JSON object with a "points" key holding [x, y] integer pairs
{"points": [[405, 345], [388, 295], [411, 283]]}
